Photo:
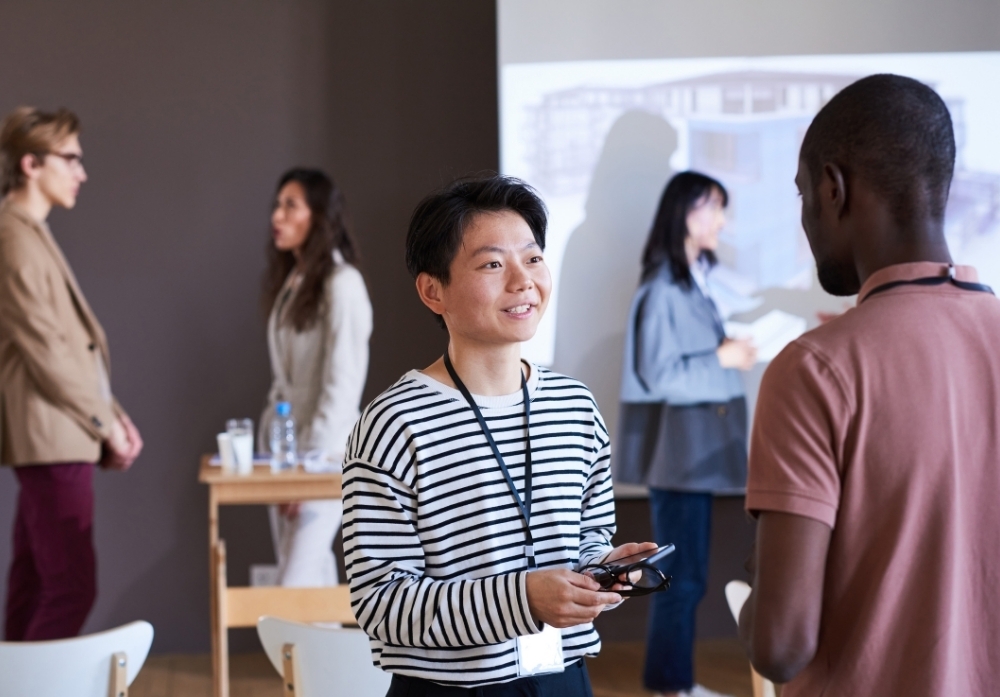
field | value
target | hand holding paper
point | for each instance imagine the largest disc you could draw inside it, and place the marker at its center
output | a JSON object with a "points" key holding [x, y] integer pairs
{"points": [[769, 333]]}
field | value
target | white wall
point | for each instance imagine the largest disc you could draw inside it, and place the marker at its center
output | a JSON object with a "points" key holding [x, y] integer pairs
{"points": [[532, 31]]}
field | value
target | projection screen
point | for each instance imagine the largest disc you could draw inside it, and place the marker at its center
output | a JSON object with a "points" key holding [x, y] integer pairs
{"points": [[600, 138]]}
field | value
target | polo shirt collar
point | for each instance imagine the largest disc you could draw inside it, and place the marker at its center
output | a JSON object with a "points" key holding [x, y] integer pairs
{"points": [[913, 271]]}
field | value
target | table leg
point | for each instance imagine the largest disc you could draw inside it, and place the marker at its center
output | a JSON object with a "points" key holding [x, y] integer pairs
{"points": [[213, 518], [217, 591]]}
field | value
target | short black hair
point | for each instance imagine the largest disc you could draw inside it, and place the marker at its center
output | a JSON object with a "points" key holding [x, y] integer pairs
{"points": [[896, 134], [440, 220], [665, 244]]}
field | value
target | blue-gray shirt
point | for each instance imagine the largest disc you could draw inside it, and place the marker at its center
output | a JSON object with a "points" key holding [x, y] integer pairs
{"points": [[683, 422], [670, 343]]}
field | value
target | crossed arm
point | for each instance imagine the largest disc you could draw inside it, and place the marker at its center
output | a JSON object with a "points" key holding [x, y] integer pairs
{"points": [[780, 621]]}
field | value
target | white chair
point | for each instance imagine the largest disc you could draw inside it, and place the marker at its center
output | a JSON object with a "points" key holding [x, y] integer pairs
{"points": [[324, 661], [96, 665], [737, 593]]}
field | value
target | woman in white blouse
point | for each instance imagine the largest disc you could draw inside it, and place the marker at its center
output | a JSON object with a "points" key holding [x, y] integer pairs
{"points": [[317, 333]]}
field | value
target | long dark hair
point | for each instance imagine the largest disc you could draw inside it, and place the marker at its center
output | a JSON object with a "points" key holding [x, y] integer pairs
{"points": [[329, 231], [665, 244]]}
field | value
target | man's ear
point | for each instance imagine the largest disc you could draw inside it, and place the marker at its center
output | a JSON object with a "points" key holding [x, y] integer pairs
{"points": [[31, 165], [833, 189], [430, 290]]}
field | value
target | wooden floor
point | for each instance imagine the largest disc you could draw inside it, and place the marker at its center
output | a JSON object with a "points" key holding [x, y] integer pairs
{"points": [[617, 672], [720, 665]]}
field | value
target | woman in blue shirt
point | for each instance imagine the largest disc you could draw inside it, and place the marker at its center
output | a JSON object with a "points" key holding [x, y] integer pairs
{"points": [[683, 427]]}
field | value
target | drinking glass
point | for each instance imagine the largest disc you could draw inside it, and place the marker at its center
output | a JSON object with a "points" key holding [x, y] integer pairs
{"points": [[241, 433]]}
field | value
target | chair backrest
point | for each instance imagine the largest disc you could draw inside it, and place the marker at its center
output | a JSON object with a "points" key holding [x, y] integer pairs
{"points": [[244, 606], [737, 593], [79, 667], [327, 660]]}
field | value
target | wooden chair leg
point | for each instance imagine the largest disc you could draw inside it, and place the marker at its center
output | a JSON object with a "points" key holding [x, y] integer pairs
{"points": [[288, 669], [220, 628], [762, 687], [119, 675]]}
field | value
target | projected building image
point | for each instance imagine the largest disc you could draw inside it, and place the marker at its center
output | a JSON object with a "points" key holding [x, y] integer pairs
{"points": [[744, 128], [741, 121]]}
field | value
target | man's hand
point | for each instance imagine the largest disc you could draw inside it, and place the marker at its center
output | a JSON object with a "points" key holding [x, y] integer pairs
{"points": [[564, 598], [123, 445], [134, 438]]}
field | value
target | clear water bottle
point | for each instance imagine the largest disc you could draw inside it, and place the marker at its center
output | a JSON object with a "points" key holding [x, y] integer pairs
{"points": [[283, 450]]}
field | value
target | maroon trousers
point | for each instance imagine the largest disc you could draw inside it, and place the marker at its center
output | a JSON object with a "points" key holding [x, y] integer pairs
{"points": [[53, 576]]}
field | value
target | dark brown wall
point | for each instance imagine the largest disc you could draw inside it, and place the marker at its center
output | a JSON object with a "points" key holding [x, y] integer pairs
{"points": [[191, 110]]}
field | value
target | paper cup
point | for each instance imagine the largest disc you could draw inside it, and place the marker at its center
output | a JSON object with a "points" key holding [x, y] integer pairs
{"points": [[226, 458], [242, 447]]}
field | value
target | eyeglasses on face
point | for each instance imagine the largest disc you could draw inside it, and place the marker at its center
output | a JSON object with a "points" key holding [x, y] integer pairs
{"points": [[71, 158], [640, 578]]}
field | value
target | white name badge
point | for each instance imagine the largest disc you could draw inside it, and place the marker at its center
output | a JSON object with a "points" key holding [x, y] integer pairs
{"points": [[538, 654]]}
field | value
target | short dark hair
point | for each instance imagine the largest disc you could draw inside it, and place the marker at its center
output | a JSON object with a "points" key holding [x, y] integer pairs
{"points": [[440, 220], [896, 134], [665, 244]]}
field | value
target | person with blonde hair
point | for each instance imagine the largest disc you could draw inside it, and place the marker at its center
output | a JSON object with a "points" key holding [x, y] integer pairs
{"points": [[58, 418]]}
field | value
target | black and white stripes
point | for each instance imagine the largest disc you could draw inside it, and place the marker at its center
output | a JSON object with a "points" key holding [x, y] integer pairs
{"points": [[433, 539]]}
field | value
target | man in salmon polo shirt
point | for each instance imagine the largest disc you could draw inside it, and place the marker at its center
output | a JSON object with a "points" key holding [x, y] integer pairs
{"points": [[875, 457]]}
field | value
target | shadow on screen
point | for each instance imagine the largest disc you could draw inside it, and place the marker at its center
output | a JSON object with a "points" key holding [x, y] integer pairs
{"points": [[600, 270]]}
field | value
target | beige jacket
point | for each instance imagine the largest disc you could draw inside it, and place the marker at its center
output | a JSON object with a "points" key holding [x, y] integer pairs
{"points": [[322, 370], [55, 400]]}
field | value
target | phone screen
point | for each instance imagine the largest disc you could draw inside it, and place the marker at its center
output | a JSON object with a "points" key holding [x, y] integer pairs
{"points": [[649, 555]]}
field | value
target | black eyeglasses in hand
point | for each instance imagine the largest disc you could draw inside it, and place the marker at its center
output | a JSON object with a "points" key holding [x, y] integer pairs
{"points": [[639, 578]]}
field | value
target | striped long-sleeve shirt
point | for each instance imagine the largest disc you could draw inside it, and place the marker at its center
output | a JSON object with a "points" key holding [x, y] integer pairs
{"points": [[433, 538]]}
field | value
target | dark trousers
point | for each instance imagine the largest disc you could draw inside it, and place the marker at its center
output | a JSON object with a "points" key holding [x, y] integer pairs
{"points": [[52, 584], [685, 519], [573, 682]]}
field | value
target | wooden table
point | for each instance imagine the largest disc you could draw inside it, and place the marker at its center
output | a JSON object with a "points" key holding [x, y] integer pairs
{"points": [[241, 606]]}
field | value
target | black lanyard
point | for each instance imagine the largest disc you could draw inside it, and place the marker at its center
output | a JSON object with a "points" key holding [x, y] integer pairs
{"points": [[525, 505], [934, 281]]}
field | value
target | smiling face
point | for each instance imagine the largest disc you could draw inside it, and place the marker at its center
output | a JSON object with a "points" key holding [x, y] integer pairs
{"points": [[60, 173], [291, 218], [499, 284], [830, 244]]}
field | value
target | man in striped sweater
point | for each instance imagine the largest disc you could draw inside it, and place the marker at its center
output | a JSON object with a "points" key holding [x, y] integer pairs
{"points": [[476, 488]]}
